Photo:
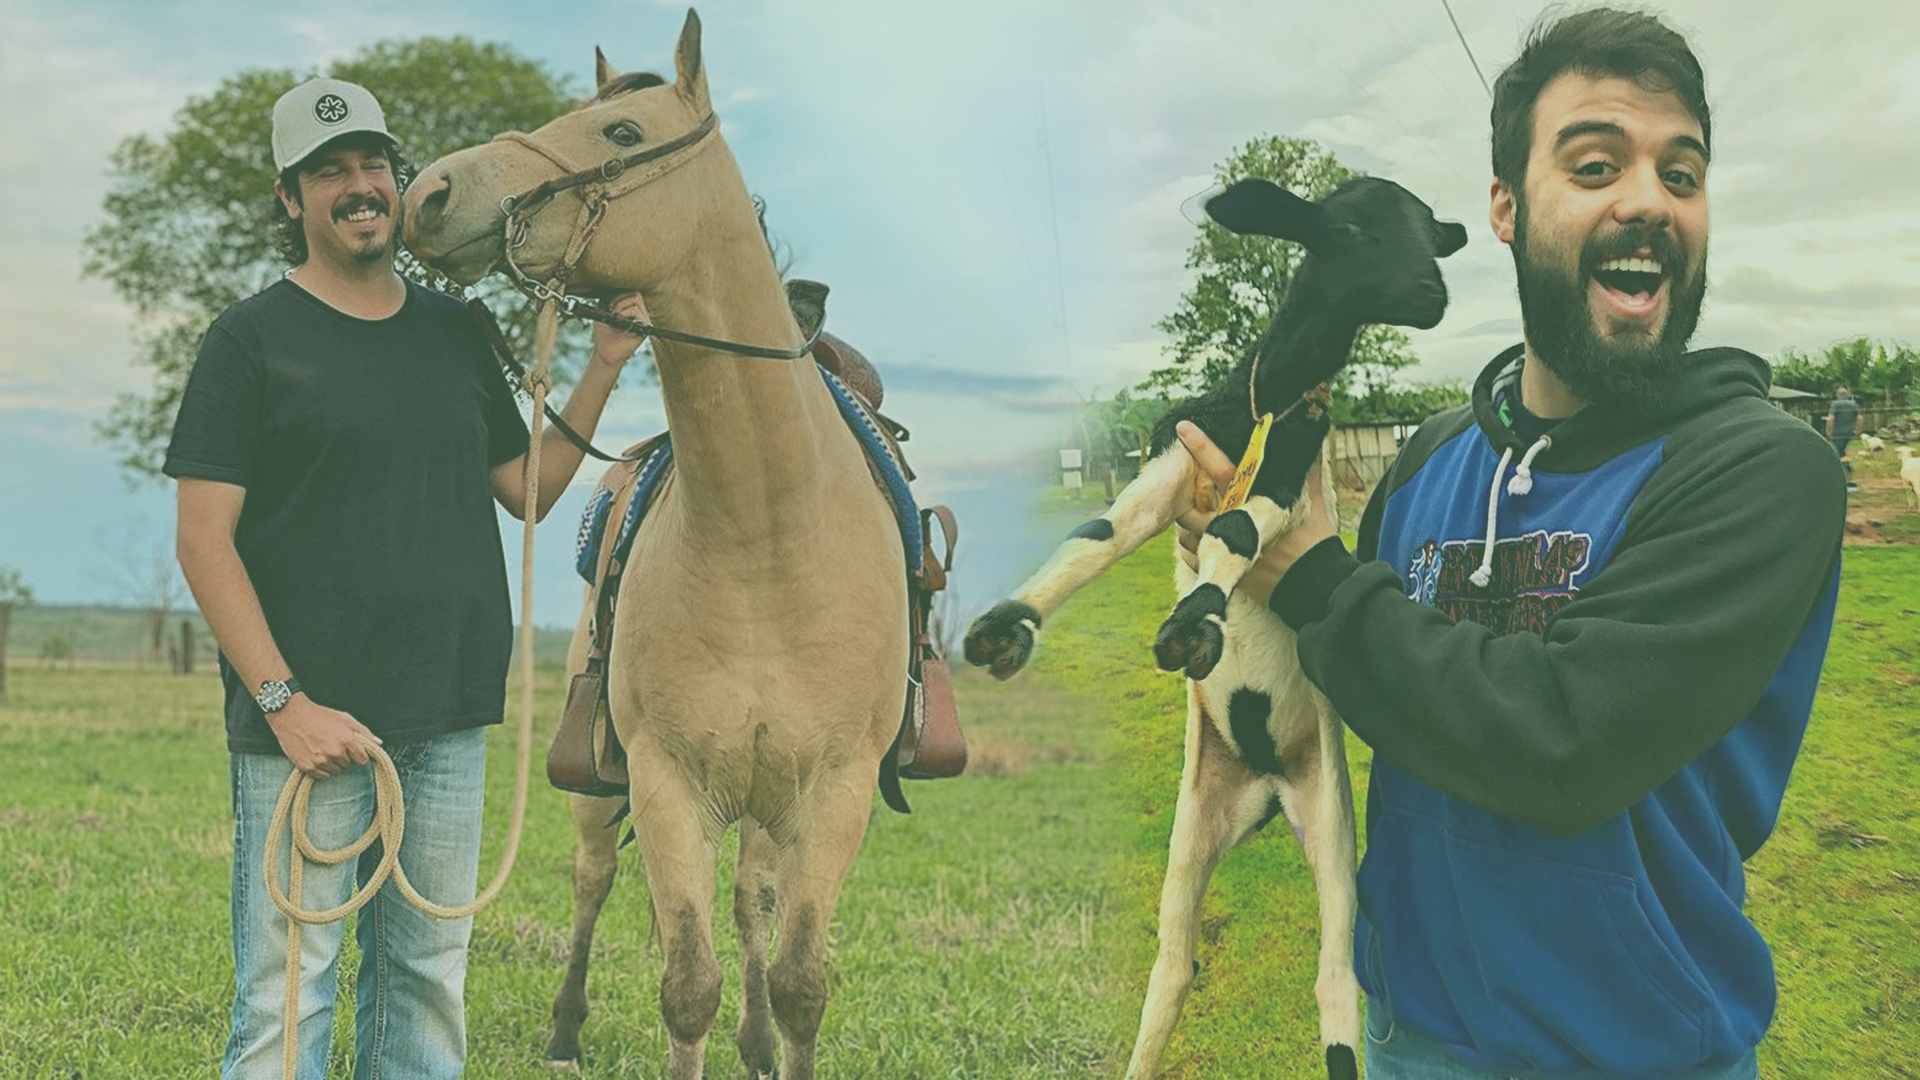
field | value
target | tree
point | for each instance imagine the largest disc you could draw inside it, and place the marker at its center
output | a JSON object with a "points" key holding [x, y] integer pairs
{"points": [[147, 577], [1873, 371], [13, 591], [1242, 280], [185, 231], [1412, 401], [1116, 427]]}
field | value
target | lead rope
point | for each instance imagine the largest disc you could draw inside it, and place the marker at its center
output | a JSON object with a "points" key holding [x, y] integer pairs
{"points": [[390, 808]]}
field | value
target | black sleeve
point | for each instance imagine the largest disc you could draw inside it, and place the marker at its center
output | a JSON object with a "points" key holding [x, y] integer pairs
{"points": [[216, 434], [507, 434], [1725, 553], [1302, 596]]}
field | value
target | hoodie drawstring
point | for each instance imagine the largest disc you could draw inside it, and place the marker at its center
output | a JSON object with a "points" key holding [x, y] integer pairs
{"points": [[1521, 485], [1522, 481]]}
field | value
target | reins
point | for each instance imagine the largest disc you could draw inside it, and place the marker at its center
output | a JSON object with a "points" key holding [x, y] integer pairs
{"points": [[600, 185]]}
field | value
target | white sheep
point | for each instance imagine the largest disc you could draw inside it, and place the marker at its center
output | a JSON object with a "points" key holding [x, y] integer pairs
{"points": [[1870, 443], [1910, 474]]}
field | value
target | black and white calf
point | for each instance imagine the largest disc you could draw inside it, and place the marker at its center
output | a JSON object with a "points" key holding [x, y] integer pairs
{"points": [[1260, 738]]}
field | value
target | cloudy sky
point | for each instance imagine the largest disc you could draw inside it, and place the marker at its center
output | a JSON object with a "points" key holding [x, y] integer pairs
{"points": [[991, 188]]}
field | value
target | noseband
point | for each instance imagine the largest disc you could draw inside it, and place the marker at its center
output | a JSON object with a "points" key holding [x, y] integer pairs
{"points": [[602, 184]]}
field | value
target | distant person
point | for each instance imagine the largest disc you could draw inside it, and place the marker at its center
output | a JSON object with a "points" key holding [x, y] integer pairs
{"points": [[340, 446], [1585, 621], [1843, 420]]}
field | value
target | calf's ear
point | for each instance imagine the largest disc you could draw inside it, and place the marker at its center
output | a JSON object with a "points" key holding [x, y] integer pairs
{"points": [[1448, 237], [1263, 208]]}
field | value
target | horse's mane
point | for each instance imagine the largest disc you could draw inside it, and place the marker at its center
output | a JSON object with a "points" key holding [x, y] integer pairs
{"points": [[632, 80]]}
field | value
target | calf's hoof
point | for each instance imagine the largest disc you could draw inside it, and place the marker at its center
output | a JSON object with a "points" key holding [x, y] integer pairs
{"points": [[1002, 640], [1191, 639], [1189, 645], [1340, 1063]]}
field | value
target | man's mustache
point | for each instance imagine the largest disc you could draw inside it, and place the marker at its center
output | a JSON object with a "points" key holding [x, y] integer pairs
{"points": [[354, 206], [1630, 240]]}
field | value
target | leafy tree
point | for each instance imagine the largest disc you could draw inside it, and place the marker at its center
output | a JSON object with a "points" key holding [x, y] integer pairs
{"points": [[1115, 427], [186, 214], [1875, 372], [1242, 280], [1414, 401], [13, 591]]}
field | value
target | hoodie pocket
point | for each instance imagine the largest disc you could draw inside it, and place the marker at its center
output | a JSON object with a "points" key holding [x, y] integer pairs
{"points": [[1574, 971]]}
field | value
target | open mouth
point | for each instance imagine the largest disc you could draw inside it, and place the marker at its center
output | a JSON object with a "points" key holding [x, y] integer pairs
{"points": [[362, 214], [1632, 286]]}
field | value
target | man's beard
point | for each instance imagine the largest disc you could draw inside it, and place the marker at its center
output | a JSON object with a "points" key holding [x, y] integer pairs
{"points": [[1630, 366], [373, 249]]}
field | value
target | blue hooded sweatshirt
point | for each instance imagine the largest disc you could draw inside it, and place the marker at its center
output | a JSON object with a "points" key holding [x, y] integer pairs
{"points": [[1584, 721]]}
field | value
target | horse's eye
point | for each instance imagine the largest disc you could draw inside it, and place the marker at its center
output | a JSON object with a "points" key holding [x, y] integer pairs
{"points": [[624, 133]]}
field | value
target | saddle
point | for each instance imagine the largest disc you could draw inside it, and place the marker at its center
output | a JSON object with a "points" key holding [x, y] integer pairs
{"points": [[586, 756]]}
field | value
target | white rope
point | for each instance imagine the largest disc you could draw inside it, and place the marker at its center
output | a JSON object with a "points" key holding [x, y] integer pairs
{"points": [[1484, 575]]}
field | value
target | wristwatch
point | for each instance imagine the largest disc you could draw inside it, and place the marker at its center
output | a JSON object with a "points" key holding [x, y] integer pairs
{"points": [[275, 693]]}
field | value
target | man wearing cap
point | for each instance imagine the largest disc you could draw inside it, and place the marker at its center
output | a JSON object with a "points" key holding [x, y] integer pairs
{"points": [[339, 448]]}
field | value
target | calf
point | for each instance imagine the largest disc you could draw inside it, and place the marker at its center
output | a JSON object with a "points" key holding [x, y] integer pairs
{"points": [[1260, 739]]}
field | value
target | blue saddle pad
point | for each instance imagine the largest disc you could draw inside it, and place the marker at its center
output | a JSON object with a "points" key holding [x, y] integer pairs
{"points": [[593, 522]]}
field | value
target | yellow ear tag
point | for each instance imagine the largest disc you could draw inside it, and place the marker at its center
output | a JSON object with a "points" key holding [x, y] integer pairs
{"points": [[1249, 466]]}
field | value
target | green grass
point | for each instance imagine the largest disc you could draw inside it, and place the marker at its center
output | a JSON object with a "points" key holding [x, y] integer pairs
{"points": [[974, 938], [1005, 930], [1836, 891]]}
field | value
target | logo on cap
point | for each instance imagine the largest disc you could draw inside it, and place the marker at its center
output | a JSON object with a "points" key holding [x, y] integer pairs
{"points": [[330, 109]]}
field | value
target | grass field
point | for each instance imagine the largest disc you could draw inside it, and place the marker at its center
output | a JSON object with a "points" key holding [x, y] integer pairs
{"points": [[1002, 932], [1836, 891], [975, 938]]}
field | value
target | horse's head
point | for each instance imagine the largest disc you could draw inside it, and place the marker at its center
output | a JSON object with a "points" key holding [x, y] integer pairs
{"points": [[1372, 246], [642, 151]]}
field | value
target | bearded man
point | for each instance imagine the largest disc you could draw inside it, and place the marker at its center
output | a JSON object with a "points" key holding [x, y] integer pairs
{"points": [[1586, 724]]}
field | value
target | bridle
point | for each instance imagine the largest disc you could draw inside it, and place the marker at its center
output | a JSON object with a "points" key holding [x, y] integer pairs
{"points": [[600, 185]]}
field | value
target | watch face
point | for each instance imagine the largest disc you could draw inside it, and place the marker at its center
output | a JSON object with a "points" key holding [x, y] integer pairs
{"points": [[274, 696]]}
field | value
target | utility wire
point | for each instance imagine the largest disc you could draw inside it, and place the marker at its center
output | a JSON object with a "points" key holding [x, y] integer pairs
{"points": [[1464, 45]]}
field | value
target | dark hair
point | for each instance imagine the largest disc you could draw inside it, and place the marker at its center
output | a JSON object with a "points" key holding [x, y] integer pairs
{"points": [[289, 237], [1597, 42]]}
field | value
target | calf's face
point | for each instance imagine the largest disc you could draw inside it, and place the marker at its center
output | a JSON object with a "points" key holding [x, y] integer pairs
{"points": [[1373, 248]]}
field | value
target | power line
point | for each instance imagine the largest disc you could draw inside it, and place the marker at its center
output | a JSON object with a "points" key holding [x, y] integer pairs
{"points": [[1464, 45]]}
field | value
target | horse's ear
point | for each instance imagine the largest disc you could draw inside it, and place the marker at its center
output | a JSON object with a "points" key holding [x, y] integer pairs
{"points": [[690, 73], [603, 72], [1264, 208]]}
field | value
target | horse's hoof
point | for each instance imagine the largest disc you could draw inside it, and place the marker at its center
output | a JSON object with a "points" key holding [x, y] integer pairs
{"points": [[1002, 640]]}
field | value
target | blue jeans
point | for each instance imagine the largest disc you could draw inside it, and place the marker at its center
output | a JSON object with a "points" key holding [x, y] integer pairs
{"points": [[1398, 1053], [409, 1010]]}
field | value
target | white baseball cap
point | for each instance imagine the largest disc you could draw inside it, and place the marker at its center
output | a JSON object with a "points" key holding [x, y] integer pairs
{"points": [[317, 111]]}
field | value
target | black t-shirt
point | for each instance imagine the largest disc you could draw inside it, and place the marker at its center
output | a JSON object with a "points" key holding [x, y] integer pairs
{"points": [[368, 529]]}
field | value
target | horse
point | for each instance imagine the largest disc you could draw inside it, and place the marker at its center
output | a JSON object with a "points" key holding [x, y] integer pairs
{"points": [[759, 674]]}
